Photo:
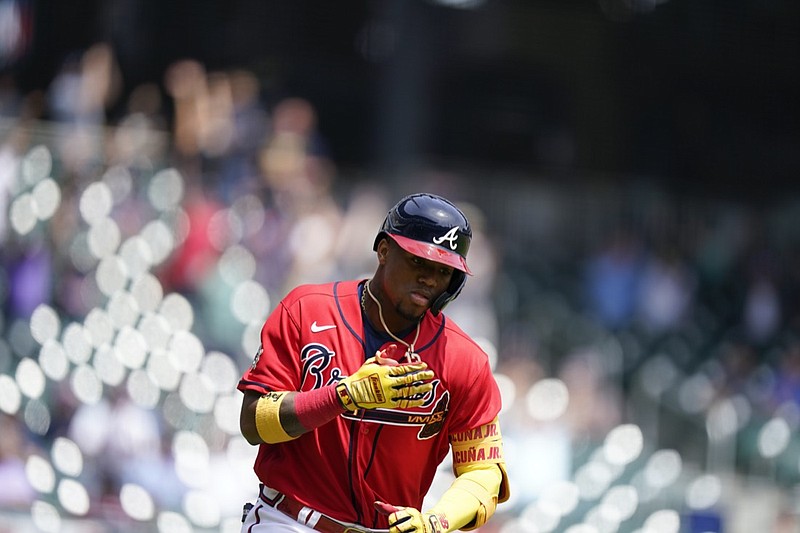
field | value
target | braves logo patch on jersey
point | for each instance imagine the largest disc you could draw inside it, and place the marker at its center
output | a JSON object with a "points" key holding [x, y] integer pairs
{"points": [[316, 358], [429, 421]]}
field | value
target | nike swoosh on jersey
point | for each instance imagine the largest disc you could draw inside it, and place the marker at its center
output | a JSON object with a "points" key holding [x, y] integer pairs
{"points": [[316, 329]]}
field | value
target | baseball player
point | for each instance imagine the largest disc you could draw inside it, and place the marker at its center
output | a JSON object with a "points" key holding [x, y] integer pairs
{"points": [[361, 388]]}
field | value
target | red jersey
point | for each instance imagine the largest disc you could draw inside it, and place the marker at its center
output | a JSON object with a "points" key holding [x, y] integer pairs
{"points": [[314, 338]]}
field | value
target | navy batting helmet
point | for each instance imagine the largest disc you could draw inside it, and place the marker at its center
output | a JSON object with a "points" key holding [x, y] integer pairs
{"points": [[432, 228]]}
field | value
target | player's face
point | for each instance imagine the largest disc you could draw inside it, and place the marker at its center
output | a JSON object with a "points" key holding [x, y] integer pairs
{"points": [[411, 283]]}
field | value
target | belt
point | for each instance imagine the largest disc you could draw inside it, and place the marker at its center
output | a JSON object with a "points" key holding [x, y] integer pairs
{"points": [[307, 516]]}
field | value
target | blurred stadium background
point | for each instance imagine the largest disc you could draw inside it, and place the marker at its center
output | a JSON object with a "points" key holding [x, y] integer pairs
{"points": [[169, 169]]}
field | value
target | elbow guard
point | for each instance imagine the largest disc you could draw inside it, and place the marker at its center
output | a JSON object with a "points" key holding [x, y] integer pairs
{"points": [[268, 420], [480, 470], [483, 484]]}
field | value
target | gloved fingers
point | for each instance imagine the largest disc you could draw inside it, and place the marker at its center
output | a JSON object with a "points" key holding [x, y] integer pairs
{"points": [[412, 375], [408, 403], [411, 391], [408, 369], [402, 521]]}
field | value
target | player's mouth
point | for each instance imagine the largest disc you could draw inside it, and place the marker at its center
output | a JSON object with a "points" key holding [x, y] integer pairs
{"points": [[420, 298]]}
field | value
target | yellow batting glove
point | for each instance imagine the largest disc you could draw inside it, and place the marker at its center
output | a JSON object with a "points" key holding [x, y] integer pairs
{"points": [[408, 519], [383, 382]]}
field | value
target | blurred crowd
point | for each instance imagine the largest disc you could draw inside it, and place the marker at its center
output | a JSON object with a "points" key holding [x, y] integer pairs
{"points": [[600, 308]]}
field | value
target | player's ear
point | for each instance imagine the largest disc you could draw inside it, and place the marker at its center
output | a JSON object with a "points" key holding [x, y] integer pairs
{"points": [[382, 250]]}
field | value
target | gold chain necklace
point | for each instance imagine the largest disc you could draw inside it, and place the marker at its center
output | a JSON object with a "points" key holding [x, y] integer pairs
{"points": [[412, 357]]}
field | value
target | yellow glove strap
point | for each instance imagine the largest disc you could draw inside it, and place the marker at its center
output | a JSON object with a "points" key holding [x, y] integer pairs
{"points": [[268, 421]]}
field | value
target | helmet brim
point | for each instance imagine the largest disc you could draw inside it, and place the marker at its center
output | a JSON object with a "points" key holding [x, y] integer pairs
{"points": [[431, 252]]}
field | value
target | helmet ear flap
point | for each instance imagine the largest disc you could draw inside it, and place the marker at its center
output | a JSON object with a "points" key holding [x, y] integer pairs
{"points": [[457, 283]]}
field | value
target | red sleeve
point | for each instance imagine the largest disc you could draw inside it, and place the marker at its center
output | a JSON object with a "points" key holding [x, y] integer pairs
{"points": [[479, 402], [275, 366]]}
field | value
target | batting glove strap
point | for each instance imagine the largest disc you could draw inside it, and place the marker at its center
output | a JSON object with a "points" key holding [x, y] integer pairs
{"points": [[438, 522], [344, 397]]}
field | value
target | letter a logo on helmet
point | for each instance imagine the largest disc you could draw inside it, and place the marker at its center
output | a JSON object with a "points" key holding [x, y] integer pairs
{"points": [[450, 237], [432, 228]]}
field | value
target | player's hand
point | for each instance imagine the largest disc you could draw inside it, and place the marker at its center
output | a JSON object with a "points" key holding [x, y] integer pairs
{"points": [[407, 519], [383, 382]]}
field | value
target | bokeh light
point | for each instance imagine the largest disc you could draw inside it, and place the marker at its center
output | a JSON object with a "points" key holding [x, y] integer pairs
{"points": [[96, 203], [662, 521], [774, 437], [136, 254], [147, 291], [197, 392], [37, 417], [178, 311], [99, 327], [136, 502], [560, 498], [73, 497], [123, 309], [186, 351], [162, 370], [663, 468], [623, 444], [237, 264], [53, 360], [166, 189], [250, 302], [77, 343], [23, 215], [108, 365], [103, 238], [45, 323], [619, 503], [47, 198], [143, 390], [30, 378], [172, 522], [547, 399], [36, 165], [202, 508], [111, 275], [10, 395], [67, 457], [86, 384], [131, 346], [160, 239], [221, 372], [46, 517], [40, 474], [704, 492]]}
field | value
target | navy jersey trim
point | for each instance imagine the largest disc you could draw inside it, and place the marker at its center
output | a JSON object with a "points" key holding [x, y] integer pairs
{"points": [[243, 382], [434, 337], [347, 324]]}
